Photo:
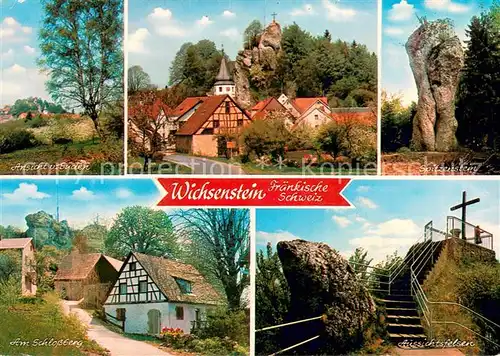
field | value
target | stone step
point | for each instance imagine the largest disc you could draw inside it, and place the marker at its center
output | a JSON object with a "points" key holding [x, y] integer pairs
{"points": [[403, 297], [402, 311], [403, 319], [397, 337], [397, 303]]}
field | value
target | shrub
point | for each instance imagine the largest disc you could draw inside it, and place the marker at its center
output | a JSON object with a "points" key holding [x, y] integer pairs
{"points": [[37, 121], [19, 139], [226, 323]]}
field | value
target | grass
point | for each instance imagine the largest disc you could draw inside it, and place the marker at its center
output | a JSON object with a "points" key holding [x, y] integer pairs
{"points": [[136, 164], [26, 327], [93, 155]]}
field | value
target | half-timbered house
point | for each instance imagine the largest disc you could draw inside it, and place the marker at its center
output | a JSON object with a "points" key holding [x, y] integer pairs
{"points": [[153, 292], [213, 127]]}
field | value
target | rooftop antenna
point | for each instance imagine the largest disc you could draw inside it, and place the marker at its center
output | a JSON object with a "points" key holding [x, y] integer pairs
{"points": [[57, 202]]}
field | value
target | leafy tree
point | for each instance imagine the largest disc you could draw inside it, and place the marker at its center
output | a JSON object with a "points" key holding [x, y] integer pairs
{"points": [[80, 43], [96, 235], [252, 33], [219, 243], [11, 232], [267, 136], [359, 262], [10, 264], [330, 138], [272, 296], [144, 230], [138, 79], [397, 120], [177, 67], [47, 260], [478, 104]]}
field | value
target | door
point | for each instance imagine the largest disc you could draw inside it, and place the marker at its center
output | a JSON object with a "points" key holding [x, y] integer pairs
{"points": [[154, 317]]}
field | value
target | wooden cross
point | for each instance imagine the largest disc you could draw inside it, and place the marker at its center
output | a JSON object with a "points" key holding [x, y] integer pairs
{"points": [[463, 206], [274, 16]]}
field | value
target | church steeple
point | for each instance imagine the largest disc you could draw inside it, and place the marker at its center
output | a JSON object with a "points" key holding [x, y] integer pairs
{"points": [[224, 83]]}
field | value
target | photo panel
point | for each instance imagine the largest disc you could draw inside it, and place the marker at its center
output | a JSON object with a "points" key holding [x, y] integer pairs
{"points": [[440, 102], [413, 267], [94, 266], [278, 87], [62, 79]]}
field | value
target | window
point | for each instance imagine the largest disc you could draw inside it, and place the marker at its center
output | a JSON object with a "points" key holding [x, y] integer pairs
{"points": [[316, 117], [143, 286], [240, 122], [185, 286], [220, 89], [216, 123], [208, 131], [133, 266], [228, 107], [120, 314], [123, 288], [228, 89], [179, 313]]}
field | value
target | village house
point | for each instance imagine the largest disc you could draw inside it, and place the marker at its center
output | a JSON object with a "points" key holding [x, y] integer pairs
{"points": [[26, 248], [88, 276], [264, 107], [311, 112], [154, 292]]}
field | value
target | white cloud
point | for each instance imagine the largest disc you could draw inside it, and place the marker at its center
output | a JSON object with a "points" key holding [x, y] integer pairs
{"points": [[204, 21], [337, 13], [16, 68], [83, 194], [136, 40], [231, 33], [305, 10], [164, 23], [367, 203], [25, 192], [13, 31], [394, 31], [363, 189], [7, 54], [402, 11], [264, 237], [21, 1], [29, 49], [446, 6], [228, 13], [341, 221], [397, 228], [123, 193]]}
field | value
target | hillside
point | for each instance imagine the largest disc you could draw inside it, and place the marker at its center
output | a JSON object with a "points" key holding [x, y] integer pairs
{"points": [[469, 275]]}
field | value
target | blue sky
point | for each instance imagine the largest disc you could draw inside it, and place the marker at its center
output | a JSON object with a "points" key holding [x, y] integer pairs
{"points": [[399, 20], [20, 22], [389, 215], [80, 200], [157, 28]]}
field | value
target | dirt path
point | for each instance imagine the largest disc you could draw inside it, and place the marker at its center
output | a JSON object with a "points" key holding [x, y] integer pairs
{"points": [[117, 344]]}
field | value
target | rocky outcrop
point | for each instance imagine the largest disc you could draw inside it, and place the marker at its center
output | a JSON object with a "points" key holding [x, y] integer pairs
{"points": [[254, 66], [45, 230], [322, 283], [436, 59]]}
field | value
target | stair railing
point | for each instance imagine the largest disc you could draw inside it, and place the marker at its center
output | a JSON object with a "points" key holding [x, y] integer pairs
{"points": [[454, 223]]}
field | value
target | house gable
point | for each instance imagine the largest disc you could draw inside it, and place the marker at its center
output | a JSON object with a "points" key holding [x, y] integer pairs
{"points": [[134, 285]]}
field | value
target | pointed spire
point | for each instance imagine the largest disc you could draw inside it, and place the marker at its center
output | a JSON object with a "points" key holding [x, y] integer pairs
{"points": [[224, 74]]}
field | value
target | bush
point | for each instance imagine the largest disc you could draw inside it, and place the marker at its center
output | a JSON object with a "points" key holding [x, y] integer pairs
{"points": [[224, 323], [36, 122], [19, 139]]}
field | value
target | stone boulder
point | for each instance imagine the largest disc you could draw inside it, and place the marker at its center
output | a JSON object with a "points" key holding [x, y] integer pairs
{"points": [[322, 283], [271, 37], [436, 58], [45, 230]]}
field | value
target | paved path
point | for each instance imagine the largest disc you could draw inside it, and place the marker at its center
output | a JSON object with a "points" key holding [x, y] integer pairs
{"points": [[117, 344], [200, 165]]}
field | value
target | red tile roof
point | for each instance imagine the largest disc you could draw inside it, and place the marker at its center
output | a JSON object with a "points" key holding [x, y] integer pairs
{"points": [[302, 104], [262, 104], [361, 115], [78, 266], [187, 104], [265, 106], [14, 243]]}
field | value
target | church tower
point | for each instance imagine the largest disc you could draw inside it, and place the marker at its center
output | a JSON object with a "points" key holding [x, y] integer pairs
{"points": [[224, 83]]}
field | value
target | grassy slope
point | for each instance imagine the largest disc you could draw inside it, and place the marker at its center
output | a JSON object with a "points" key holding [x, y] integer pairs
{"points": [[29, 322], [442, 285], [86, 146]]}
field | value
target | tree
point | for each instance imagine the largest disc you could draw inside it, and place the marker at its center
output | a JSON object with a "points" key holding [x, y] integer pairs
{"points": [[272, 296], [46, 264], [96, 235], [144, 230], [10, 264], [177, 67], [268, 136], [219, 243], [397, 120], [81, 50], [252, 33], [138, 79], [359, 262], [478, 104], [330, 139]]}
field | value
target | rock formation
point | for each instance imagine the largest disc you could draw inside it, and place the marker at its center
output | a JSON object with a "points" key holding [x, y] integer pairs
{"points": [[45, 230], [323, 283], [257, 65], [436, 59]]}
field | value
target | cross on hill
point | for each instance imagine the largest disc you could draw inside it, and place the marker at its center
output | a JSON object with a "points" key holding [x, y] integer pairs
{"points": [[463, 206], [274, 14]]}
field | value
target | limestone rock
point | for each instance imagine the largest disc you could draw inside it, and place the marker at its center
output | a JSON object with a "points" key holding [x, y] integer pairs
{"points": [[271, 37], [45, 230], [240, 78], [436, 59], [322, 283]]}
